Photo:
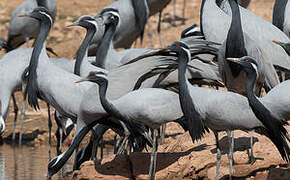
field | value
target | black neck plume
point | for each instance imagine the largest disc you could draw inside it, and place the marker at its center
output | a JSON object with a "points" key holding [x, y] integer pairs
{"points": [[141, 12], [279, 13], [235, 45], [82, 50], [103, 48], [32, 86], [274, 126], [195, 124]]}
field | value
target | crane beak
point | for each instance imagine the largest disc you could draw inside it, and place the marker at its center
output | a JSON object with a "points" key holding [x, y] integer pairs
{"points": [[81, 80], [76, 23], [235, 60], [278, 42], [22, 15]]}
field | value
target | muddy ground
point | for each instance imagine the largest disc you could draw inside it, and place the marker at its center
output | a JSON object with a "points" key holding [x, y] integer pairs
{"points": [[179, 158]]}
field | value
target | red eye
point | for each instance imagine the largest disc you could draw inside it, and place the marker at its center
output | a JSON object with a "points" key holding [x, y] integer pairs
{"points": [[177, 45], [84, 20], [38, 11], [248, 60]]}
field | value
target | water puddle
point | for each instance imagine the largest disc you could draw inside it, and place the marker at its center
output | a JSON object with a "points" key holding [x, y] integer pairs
{"points": [[28, 162], [25, 162]]}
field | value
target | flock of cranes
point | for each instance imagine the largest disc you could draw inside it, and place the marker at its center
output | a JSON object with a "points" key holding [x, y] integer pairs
{"points": [[135, 91]]}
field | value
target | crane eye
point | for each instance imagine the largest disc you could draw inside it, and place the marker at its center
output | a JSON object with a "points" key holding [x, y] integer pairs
{"points": [[84, 20], [177, 45], [38, 11], [248, 60]]}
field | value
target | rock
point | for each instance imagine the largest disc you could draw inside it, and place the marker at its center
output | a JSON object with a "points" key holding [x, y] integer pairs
{"points": [[178, 158]]}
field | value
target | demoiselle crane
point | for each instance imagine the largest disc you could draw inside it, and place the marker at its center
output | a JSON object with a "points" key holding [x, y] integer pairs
{"points": [[271, 109], [149, 106], [130, 27], [253, 42], [225, 117], [91, 25], [22, 30], [11, 79]]}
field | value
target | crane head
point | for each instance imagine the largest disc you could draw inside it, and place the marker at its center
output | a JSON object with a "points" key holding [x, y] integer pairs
{"points": [[179, 48], [110, 16], [87, 22], [98, 77], [40, 13], [248, 63]]}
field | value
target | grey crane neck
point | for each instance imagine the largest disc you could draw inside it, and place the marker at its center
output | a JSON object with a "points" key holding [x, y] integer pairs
{"points": [[107, 105], [235, 45], [38, 45], [141, 11], [279, 13], [82, 51], [274, 126], [102, 51], [195, 124]]}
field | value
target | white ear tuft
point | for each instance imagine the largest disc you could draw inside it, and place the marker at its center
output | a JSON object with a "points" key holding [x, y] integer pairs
{"points": [[47, 15], [94, 23], [188, 52], [255, 68]]}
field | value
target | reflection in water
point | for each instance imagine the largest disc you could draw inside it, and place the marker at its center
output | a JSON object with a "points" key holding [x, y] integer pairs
{"points": [[24, 162], [2, 168], [29, 163]]}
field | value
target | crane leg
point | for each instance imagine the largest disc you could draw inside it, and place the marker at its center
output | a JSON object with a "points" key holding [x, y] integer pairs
{"points": [[58, 141], [231, 151], [183, 11], [218, 155], [23, 108], [96, 143], [116, 143], [174, 13], [162, 133], [150, 34], [252, 158], [282, 76], [102, 148], [49, 129], [15, 117], [58, 134], [152, 168], [95, 146], [125, 140], [159, 28]]}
